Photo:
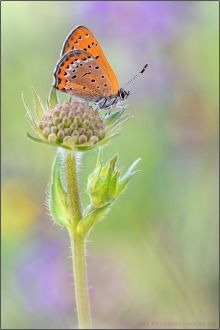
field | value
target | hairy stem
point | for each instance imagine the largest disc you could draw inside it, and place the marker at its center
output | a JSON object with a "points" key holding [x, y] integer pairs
{"points": [[80, 279], [77, 242], [73, 196]]}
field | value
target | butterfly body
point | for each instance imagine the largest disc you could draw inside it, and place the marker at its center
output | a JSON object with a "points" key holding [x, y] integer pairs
{"points": [[84, 72]]}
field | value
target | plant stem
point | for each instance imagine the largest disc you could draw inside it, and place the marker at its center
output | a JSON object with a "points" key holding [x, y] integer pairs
{"points": [[80, 278], [77, 242], [73, 196]]}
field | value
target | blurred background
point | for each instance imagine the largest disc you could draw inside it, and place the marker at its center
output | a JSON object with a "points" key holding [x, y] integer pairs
{"points": [[153, 261]]}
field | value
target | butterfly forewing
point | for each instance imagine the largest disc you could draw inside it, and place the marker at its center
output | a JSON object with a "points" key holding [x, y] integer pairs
{"points": [[81, 38], [78, 73]]}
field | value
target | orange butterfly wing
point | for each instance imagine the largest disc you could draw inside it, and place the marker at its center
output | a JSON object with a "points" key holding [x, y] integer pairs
{"points": [[79, 74], [81, 38]]}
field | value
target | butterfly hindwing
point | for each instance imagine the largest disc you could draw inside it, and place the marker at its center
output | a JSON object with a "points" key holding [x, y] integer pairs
{"points": [[78, 73]]}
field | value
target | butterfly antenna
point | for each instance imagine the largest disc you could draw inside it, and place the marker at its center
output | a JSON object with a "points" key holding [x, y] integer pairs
{"points": [[142, 71]]}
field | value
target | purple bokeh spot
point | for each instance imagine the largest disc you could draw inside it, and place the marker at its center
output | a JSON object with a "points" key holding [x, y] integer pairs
{"points": [[141, 21], [44, 279]]}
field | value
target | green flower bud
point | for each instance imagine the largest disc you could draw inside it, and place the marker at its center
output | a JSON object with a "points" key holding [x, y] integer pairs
{"points": [[73, 126], [75, 133], [66, 138], [82, 130], [63, 113], [78, 112], [60, 135], [66, 121], [47, 116], [86, 116], [86, 123], [50, 123], [101, 133], [54, 129], [94, 139], [46, 131], [42, 124], [55, 113], [52, 137], [82, 139], [56, 121], [71, 114], [60, 126], [67, 131], [105, 184], [78, 119], [89, 133]]}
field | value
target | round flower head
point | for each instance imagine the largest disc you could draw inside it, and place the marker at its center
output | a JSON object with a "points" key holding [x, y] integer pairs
{"points": [[72, 120], [72, 125]]}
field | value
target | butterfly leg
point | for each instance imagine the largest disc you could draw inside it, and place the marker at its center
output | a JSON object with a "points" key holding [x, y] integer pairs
{"points": [[123, 108]]}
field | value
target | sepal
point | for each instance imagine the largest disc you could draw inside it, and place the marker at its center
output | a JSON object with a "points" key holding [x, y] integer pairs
{"points": [[86, 224], [105, 184], [58, 196]]}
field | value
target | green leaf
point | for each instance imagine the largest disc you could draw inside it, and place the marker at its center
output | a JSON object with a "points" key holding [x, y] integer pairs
{"points": [[113, 161], [118, 123], [39, 108], [58, 196], [88, 222], [113, 186], [70, 144], [132, 166], [127, 177], [32, 123], [26, 106], [53, 100], [51, 144], [108, 120]]}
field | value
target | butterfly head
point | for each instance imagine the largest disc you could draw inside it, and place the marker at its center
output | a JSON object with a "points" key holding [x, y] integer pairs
{"points": [[122, 94]]}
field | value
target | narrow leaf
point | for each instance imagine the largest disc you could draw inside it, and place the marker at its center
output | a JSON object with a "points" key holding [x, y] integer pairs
{"points": [[39, 108], [88, 222], [113, 117], [58, 197], [52, 144], [127, 177], [53, 100]]}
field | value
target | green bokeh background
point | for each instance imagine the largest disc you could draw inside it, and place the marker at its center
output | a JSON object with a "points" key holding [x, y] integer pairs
{"points": [[153, 261]]}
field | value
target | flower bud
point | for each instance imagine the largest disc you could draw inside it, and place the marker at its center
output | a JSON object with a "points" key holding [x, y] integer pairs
{"points": [[54, 129], [66, 121], [60, 126], [66, 138], [94, 139], [86, 123], [55, 113], [73, 126], [46, 131], [71, 114], [78, 120], [42, 124], [105, 184], [61, 135], [56, 121], [67, 131], [52, 137], [82, 139]]}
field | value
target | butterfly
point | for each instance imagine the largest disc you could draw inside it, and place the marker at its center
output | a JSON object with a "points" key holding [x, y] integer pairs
{"points": [[84, 72]]}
